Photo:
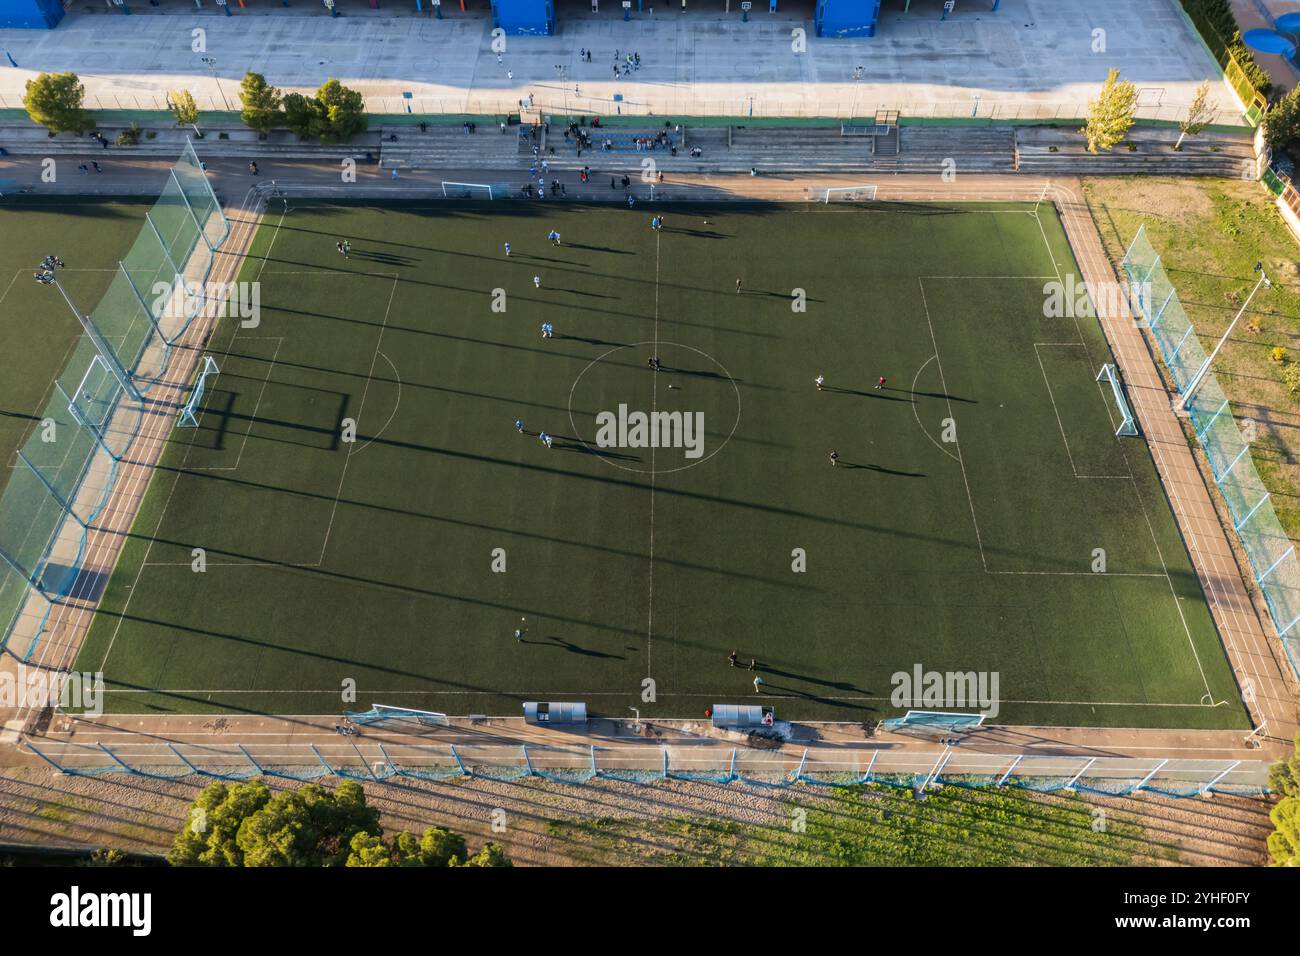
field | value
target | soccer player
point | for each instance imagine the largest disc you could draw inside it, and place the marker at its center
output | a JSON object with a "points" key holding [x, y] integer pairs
{"points": [[507, 250], [820, 380], [548, 330], [654, 363], [731, 658], [521, 630], [537, 282], [835, 458], [519, 425], [758, 685], [546, 439], [737, 287], [881, 383], [630, 201]]}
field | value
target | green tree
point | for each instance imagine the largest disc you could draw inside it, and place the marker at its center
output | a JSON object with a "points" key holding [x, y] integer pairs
{"points": [[53, 100], [368, 850], [1199, 113], [342, 111], [492, 854], [439, 847], [1284, 841], [1284, 779], [212, 826], [302, 115], [185, 109], [311, 826], [1111, 114], [261, 102], [1282, 121]]}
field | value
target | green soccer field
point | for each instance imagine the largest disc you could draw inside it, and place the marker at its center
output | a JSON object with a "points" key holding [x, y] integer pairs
{"points": [[959, 532]]}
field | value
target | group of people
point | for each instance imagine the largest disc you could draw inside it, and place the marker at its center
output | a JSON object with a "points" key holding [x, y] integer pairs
{"points": [[45, 275]]}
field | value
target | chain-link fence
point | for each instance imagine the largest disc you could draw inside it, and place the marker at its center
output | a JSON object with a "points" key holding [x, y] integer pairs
{"points": [[66, 469], [361, 759], [1269, 550]]}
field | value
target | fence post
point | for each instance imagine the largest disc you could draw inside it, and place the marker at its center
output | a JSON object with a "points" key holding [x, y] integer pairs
{"points": [[249, 757], [1148, 777], [48, 759], [866, 776], [459, 762], [323, 762], [1231, 767], [1014, 764], [1075, 779], [527, 763]]}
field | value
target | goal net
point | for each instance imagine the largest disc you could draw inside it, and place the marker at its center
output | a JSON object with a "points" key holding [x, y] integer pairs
{"points": [[849, 194], [452, 190], [189, 417], [1127, 424], [383, 715], [936, 720]]}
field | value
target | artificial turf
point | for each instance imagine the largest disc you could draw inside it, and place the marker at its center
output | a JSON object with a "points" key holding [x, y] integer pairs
{"points": [[374, 563]]}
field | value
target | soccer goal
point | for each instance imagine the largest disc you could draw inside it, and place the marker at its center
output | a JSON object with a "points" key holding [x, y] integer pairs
{"points": [[1128, 424], [933, 720], [384, 714], [189, 417], [849, 194], [468, 191]]}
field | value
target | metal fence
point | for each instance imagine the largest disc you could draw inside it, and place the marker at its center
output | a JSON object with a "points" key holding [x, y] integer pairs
{"points": [[685, 102], [1269, 550], [361, 759], [66, 470]]}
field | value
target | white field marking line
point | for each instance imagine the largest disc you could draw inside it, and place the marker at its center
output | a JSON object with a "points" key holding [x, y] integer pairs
{"points": [[944, 384], [1047, 245], [1212, 569], [654, 407], [528, 693], [102, 541], [1137, 494], [917, 415], [279, 340], [145, 475], [360, 411], [1056, 410], [397, 404]]}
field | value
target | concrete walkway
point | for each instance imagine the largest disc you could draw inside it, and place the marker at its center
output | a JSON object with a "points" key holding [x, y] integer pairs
{"points": [[1033, 59]]}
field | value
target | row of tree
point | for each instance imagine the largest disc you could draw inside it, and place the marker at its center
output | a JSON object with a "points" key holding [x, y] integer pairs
{"points": [[333, 114], [1112, 114], [243, 824]]}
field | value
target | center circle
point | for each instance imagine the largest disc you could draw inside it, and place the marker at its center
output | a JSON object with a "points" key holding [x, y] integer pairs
{"points": [[688, 381]]}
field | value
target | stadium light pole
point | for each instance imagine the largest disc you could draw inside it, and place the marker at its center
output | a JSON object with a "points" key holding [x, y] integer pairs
{"points": [[211, 64], [1205, 366]]}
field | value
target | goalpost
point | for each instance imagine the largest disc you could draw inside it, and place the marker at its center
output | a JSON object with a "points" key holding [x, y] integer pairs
{"points": [[933, 720], [382, 713], [1128, 424], [452, 190], [189, 417], [865, 193]]}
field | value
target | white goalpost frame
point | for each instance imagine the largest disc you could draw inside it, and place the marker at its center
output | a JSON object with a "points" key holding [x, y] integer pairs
{"points": [[470, 186], [380, 712], [187, 417], [1128, 424], [868, 191]]}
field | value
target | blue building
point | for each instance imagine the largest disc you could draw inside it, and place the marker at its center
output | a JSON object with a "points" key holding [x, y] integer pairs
{"points": [[41, 14]]}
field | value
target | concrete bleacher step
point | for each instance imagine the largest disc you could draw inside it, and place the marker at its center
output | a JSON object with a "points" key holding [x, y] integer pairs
{"points": [[1047, 150], [450, 147]]}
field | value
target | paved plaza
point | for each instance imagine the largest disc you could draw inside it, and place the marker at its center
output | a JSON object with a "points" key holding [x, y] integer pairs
{"points": [[1032, 59]]}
